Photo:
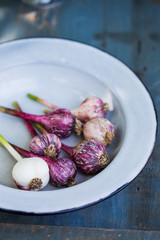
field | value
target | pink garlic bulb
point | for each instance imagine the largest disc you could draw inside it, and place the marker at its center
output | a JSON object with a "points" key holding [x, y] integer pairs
{"points": [[91, 107], [100, 129]]}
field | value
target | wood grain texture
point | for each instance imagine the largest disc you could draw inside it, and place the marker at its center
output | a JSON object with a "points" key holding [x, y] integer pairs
{"points": [[30, 232], [130, 31]]}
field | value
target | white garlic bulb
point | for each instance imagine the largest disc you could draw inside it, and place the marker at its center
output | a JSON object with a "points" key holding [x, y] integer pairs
{"points": [[31, 173], [28, 173], [100, 129]]}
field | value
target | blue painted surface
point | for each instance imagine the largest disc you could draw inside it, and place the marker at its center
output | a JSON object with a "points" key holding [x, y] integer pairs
{"points": [[130, 31], [39, 232]]}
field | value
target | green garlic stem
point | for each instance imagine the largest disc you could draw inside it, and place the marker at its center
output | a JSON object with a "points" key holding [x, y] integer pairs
{"points": [[42, 101], [33, 97], [10, 149], [16, 106], [46, 111], [40, 127]]}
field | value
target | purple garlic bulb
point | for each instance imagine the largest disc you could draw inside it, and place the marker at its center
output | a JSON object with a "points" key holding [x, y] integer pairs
{"points": [[59, 122], [100, 129], [48, 145], [62, 170], [90, 156], [91, 107]]}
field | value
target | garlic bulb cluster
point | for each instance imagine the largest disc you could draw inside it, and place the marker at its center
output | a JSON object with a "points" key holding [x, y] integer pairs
{"points": [[28, 173], [62, 170], [42, 164]]}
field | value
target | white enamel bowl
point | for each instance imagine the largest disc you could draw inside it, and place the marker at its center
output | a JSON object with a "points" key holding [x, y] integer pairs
{"points": [[65, 73]]}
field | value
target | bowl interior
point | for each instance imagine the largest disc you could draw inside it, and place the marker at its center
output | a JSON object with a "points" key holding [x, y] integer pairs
{"points": [[63, 86]]}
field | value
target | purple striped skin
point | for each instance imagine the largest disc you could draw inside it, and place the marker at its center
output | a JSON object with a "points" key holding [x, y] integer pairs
{"points": [[62, 170], [90, 156], [60, 122], [47, 145]]}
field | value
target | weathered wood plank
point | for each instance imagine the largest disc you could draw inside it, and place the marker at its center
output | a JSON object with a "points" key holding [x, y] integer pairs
{"points": [[30, 232]]}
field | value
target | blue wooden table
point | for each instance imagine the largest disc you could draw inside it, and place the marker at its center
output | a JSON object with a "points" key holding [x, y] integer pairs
{"points": [[130, 31]]}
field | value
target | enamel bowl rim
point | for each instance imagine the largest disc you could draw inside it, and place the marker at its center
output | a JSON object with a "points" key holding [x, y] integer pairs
{"points": [[76, 197]]}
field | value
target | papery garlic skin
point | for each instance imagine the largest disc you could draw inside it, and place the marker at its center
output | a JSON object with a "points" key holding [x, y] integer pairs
{"points": [[63, 172], [48, 145], [90, 156], [31, 173], [90, 108], [100, 129]]}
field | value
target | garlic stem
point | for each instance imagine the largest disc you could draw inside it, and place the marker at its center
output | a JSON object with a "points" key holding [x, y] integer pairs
{"points": [[16, 106], [60, 122], [46, 111], [40, 100], [27, 122], [10, 149], [40, 127], [90, 108], [67, 149], [23, 115]]}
